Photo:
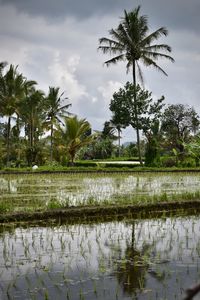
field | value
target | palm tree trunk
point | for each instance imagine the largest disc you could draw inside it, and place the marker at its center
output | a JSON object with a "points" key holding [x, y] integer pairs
{"points": [[8, 141], [119, 137], [18, 138], [32, 131], [51, 146], [136, 115]]}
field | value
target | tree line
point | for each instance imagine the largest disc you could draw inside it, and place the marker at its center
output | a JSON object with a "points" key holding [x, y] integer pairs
{"points": [[36, 128]]}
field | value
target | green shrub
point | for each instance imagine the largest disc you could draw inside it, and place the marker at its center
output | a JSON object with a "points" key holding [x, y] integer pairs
{"points": [[188, 162], [168, 161]]}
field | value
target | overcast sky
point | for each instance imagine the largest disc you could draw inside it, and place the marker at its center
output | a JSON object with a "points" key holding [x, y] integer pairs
{"points": [[55, 43]]}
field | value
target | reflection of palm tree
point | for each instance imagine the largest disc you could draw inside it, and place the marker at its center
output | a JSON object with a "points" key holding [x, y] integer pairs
{"points": [[132, 265], [131, 270]]}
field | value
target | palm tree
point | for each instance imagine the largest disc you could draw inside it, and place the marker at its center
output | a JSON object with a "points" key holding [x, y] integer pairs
{"points": [[11, 93], [55, 112], [32, 113], [75, 134], [132, 42]]}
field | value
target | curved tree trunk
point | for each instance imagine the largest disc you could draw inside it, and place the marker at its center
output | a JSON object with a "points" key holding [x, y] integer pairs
{"points": [[136, 115]]}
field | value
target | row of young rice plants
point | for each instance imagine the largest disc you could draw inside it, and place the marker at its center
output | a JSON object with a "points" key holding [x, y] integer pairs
{"points": [[128, 259]]}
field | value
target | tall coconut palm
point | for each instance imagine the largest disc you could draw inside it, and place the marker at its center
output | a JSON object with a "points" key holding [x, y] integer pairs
{"points": [[75, 135], [132, 42], [11, 92], [32, 113], [55, 112]]}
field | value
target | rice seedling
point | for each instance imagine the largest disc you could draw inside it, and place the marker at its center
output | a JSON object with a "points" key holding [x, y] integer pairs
{"points": [[76, 259]]}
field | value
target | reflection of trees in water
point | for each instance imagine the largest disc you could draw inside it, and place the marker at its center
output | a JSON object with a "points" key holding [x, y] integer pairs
{"points": [[131, 271], [132, 264], [9, 185], [4, 229]]}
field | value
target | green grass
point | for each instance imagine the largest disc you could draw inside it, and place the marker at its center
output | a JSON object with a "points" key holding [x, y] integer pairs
{"points": [[96, 167]]}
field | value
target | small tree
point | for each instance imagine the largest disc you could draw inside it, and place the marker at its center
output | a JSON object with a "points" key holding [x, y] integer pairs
{"points": [[143, 115], [179, 122], [75, 135]]}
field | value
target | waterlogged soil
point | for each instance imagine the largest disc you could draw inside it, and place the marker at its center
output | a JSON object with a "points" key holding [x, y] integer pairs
{"points": [[31, 192], [129, 259]]}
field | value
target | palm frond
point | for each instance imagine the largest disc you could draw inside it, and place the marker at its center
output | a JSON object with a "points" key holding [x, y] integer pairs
{"points": [[115, 60], [163, 47], [149, 62], [110, 46], [157, 55], [154, 36]]}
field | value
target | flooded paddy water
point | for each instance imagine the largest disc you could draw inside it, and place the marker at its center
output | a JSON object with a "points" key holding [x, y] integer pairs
{"points": [[40, 191], [152, 258], [128, 259]]}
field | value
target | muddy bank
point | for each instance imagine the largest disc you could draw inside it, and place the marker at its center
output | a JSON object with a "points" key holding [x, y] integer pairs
{"points": [[105, 212]]}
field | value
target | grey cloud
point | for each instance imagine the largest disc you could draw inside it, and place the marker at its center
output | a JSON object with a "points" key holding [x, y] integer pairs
{"points": [[62, 8], [172, 13]]}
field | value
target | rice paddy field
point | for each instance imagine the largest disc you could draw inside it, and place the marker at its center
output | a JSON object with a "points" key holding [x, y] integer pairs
{"points": [[128, 259], [47, 191], [125, 258]]}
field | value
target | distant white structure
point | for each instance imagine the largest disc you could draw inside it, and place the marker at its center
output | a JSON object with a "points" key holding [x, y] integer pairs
{"points": [[35, 167]]}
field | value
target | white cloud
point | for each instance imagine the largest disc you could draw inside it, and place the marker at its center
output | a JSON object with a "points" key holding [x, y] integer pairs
{"points": [[108, 89], [63, 74]]}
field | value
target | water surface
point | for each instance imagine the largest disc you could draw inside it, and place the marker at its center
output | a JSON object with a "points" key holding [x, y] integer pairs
{"points": [[130, 259], [36, 190]]}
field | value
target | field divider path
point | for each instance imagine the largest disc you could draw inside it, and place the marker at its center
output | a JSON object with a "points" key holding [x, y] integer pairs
{"points": [[91, 212]]}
